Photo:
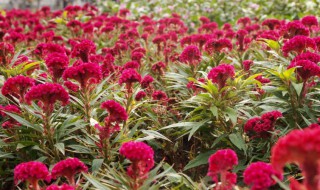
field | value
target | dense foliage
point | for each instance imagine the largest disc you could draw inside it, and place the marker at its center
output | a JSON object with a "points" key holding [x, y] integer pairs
{"points": [[103, 100]]}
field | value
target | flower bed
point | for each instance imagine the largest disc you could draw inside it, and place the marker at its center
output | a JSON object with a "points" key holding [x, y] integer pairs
{"points": [[92, 100]]}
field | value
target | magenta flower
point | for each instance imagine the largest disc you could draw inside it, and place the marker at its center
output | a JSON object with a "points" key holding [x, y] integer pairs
{"points": [[221, 74], [258, 176], [17, 87], [32, 172], [141, 156], [220, 164], [68, 168], [47, 94], [191, 55]]}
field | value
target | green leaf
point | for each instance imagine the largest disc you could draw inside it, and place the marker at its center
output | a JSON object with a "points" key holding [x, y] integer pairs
{"points": [[214, 111], [96, 164], [298, 87], [95, 182], [199, 160], [233, 115], [272, 44], [60, 147], [155, 134], [238, 141]]}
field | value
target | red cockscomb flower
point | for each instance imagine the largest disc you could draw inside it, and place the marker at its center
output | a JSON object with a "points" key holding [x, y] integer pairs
{"points": [[141, 156], [11, 122], [302, 148], [17, 86], [56, 63], [159, 95], [221, 74], [214, 45], [85, 74], [68, 168], [47, 94], [129, 76], [262, 126], [146, 81], [271, 23], [305, 69], [140, 95], [247, 64], [116, 112], [83, 50], [294, 28], [309, 21], [32, 172], [314, 57], [258, 176], [220, 164], [191, 55], [298, 44]]}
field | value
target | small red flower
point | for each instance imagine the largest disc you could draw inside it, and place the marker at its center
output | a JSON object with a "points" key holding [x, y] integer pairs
{"points": [[83, 49], [57, 63], [306, 69], [247, 64], [302, 148], [85, 74], [141, 155], [221, 74], [47, 94], [32, 172], [17, 86], [129, 76], [116, 112], [220, 164], [191, 55], [298, 44], [146, 81], [159, 95], [68, 168], [258, 176], [140, 95], [214, 45]]}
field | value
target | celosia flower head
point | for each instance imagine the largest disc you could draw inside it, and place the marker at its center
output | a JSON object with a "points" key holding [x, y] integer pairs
{"points": [[47, 94], [309, 21], [129, 76], [32, 171], [159, 95], [305, 69], [116, 111], [83, 50], [298, 44], [214, 45], [85, 74], [140, 95], [17, 86], [68, 168], [191, 55], [302, 148], [294, 28], [221, 163], [258, 176], [141, 155], [221, 74], [262, 126], [57, 63], [146, 81], [314, 57], [247, 64]]}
